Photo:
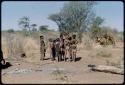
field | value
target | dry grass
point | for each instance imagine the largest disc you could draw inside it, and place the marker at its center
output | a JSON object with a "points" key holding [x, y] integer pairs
{"points": [[5, 48], [109, 56], [31, 48], [15, 44], [118, 63], [104, 53], [11, 45], [87, 42], [60, 75]]}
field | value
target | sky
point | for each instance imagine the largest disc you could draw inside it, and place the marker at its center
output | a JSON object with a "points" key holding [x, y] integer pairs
{"points": [[39, 11]]}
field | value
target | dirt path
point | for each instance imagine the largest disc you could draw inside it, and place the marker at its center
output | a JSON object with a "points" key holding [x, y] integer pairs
{"points": [[59, 72]]}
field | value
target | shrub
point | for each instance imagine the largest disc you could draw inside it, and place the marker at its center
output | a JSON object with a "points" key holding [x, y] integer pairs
{"points": [[43, 28], [10, 31]]}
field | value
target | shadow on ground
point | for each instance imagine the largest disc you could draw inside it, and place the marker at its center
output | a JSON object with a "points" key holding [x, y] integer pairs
{"points": [[46, 58], [6, 65], [3, 63], [78, 58]]}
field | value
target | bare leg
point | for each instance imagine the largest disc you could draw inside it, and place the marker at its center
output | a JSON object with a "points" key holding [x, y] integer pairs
{"points": [[74, 56], [42, 54], [68, 54], [71, 56], [65, 55], [50, 53], [60, 56]]}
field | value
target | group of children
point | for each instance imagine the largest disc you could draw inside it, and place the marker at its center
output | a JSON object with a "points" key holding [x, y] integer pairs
{"points": [[64, 47]]}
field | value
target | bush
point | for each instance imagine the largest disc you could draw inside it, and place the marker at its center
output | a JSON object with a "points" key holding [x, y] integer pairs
{"points": [[10, 31], [43, 28]]}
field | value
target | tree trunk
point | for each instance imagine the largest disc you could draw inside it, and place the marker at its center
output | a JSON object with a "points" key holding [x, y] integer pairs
{"points": [[109, 69]]}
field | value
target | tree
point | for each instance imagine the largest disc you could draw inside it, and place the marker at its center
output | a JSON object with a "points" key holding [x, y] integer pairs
{"points": [[43, 28], [95, 29], [10, 31], [74, 16], [34, 27], [24, 23]]}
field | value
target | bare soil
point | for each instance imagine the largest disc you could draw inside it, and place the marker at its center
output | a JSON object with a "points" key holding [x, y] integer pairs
{"points": [[48, 71]]}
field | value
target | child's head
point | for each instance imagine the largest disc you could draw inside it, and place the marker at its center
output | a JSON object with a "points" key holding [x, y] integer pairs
{"points": [[70, 38], [41, 37], [74, 36]]}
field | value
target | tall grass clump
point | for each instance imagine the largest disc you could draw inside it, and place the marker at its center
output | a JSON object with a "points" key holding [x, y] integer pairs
{"points": [[31, 47], [87, 42], [5, 48], [11, 45]]}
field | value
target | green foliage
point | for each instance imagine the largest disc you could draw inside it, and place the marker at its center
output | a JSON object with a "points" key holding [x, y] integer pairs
{"points": [[34, 29], [98, 21], [10, 31], [80, 36], [95, 29], [74, 17], [24, 23], [43, 28]]}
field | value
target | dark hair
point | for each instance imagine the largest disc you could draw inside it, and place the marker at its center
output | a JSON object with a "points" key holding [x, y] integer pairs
{"points": [[41, 37], [54, 41], [57, 39], [74, 36], [70, 38]]}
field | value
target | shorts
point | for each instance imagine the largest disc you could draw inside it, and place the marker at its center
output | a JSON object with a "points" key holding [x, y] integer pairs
{"points": [[74, 50]]}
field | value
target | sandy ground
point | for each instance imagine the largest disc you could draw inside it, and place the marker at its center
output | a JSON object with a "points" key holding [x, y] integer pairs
{"points": [[69, 72]]}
